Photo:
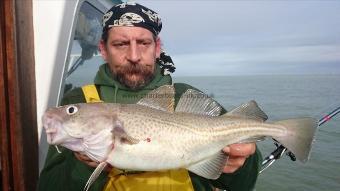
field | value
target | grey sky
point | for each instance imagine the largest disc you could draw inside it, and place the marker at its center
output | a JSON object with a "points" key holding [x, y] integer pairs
{"points": [[251, 37]]}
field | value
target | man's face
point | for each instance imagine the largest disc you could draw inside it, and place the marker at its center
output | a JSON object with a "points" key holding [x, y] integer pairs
{"points": [[131, 53]]}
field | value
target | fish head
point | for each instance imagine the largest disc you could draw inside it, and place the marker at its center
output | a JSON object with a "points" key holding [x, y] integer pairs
{"points": [[53, 124], [70, 123]]}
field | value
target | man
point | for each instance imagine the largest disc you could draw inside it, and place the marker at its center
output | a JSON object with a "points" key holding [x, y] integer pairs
{"points": [[131, 47]]}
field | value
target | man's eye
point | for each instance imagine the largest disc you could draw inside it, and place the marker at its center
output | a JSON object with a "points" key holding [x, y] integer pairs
{"points": [[120, 44], [145, 43]]}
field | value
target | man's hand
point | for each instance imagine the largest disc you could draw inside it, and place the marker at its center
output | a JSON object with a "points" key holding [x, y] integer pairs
{"points": [[238, 153], [85, 159]]}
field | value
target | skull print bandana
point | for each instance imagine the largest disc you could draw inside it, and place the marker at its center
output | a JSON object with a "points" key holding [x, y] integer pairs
{"points": [[132, 14]]}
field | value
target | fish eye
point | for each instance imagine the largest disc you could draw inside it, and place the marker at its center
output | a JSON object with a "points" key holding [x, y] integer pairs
{"points": [[71, 110]]}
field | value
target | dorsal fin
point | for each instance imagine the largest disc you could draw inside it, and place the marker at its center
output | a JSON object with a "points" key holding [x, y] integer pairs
{"points": [[162, 98], [248, 110], [193, 101]]}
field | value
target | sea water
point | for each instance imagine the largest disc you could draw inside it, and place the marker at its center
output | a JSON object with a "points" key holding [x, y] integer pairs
{"points": [[282, 97]]}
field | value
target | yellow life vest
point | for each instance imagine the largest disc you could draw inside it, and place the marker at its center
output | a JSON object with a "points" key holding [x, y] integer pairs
{"points": [[168, 180]]}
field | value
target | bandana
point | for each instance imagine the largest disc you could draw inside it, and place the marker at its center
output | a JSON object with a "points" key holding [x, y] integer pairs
{"points": [[132, 14], [166, 63]]}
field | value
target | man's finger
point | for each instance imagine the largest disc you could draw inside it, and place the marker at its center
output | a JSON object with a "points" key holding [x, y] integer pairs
{"points": [[236, 161], [244, 149], [85, 159], [82, 157], [233, 164]]}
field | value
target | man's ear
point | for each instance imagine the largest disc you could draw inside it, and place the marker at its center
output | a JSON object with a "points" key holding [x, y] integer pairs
{"points": [[158, 47], [102, 49]]}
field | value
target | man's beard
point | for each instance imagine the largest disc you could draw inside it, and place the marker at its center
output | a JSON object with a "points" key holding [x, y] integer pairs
{"points": [[134, 76]]}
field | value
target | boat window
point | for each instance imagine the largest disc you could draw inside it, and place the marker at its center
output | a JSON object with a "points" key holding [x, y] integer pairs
{"points": [[84, 58]]}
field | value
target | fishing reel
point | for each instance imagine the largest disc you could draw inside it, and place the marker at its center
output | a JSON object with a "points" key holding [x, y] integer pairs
{"points": [[275, 155]]}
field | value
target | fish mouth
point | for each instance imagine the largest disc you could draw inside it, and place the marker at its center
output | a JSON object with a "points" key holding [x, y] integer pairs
{"points": [[51, 132], [52, 126], [51, 135]]}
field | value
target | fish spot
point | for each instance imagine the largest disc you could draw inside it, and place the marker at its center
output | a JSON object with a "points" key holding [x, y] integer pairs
{"points": [[148, 139]]}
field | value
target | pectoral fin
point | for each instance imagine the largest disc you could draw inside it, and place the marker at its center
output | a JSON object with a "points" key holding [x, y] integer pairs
{"points": [[119, 132], [210, 168]]}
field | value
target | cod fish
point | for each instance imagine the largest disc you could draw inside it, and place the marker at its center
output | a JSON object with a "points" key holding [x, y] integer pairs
{"points": [[151, 135]]}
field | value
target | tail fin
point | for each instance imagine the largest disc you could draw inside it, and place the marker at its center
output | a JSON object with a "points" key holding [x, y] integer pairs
{"points": [[300, 135]]}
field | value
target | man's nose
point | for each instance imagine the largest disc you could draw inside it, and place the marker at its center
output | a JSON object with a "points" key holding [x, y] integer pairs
{"points": [[134, 54]]}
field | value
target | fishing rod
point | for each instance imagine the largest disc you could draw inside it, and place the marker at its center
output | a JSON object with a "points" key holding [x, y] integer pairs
{"points": [[280, 149]]}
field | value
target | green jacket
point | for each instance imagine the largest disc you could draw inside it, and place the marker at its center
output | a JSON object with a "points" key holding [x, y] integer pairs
{"points": [[63, 172]]}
